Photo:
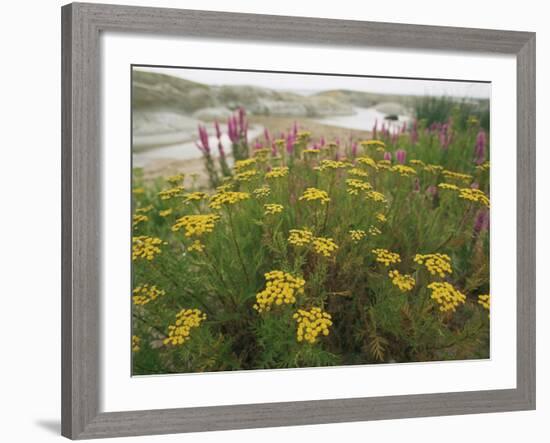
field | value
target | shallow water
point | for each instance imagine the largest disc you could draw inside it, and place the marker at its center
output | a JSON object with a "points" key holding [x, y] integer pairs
{"points": [[186, 150], [363, 119]]}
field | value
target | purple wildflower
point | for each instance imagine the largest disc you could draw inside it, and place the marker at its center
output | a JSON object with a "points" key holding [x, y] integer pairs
{"points": [[482, 221], [232, 131], [289, 144], [480, 147], [354, 149], [267, 136], [401, 156], [203, 143], [387, 156], [444, 136]]}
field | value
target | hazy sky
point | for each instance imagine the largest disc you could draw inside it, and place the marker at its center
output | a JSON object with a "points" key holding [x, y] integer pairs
{"points": [[314, 83]]}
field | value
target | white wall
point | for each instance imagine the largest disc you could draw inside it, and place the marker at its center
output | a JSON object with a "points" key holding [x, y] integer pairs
{"points": [[30, 220]]}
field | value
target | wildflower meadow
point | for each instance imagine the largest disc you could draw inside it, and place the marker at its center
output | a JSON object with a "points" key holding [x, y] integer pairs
{"points": [[303, 251]]}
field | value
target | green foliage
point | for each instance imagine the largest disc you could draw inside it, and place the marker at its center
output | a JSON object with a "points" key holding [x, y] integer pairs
{"points": [[220, 268], [432, 110]]}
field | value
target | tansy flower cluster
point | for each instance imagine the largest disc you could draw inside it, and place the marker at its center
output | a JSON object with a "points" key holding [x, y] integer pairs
{"points": [[146, 293], [355, 186], [144, 209], [448, 186], [277, 172], [281, 287], [485, 166], [194, 196], [243, 164], [197, 245], [475, 195], [434, 169], [386, 257], [136, 342], [446, 296], [357, 235], [311, 151], [368, 161], [485, 301], [456, 176], [186, 320], [358, 172], [165, 212], [227, 198], [311, 324], [374, 231], [196, 225], [381, 217], [331, 164], [376, 143], [416, 162], [245, 176], [376, 196], [324, 246], [404, 282], [139, 218], [300, 237], [175, 179], [273, 208], [439, 264], [168, 194], [311, 194], [145, 247], [403, 170], [262, 192]]}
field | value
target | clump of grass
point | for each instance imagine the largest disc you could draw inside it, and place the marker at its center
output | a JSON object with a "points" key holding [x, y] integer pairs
{"points": [[438, 110]]}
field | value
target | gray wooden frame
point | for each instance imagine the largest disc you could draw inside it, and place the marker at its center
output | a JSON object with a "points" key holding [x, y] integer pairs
{"points": [[81, 205]]}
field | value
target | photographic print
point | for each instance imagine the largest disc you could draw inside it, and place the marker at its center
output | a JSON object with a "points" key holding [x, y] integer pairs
{"points": [[290, 220]]}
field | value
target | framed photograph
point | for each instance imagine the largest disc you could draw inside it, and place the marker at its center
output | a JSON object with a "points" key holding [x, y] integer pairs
{"points": [[274, 221]]}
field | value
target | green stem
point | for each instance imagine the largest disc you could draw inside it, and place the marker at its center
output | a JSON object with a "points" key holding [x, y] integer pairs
{"points": [[234, 237]]}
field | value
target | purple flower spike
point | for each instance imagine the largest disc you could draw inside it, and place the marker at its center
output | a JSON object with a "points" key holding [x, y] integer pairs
{"points": [[387, 156], [232, 129], [482, 221], [267, 136], [322, 142], [203, 143], [444, 136], [242, 115], [289, 144], [354, 149], [401, 156], [479, 152], [258, 145]]}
